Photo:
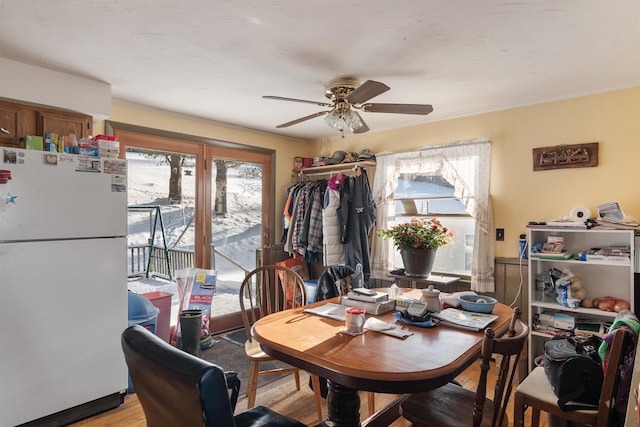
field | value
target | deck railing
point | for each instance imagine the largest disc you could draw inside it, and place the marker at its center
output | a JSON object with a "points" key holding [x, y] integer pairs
{"points": [[138, 261], [142, 263]]}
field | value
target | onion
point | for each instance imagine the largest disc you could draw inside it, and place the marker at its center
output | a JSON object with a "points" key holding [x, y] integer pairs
{"points": [[586, 302], [606, 304], [621, 305]]}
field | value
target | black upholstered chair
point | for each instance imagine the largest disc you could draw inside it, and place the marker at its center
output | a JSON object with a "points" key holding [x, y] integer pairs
{"points": [[178, 389]]}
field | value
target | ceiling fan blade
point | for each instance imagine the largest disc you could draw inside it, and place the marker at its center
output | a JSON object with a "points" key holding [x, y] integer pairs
{"points": [[302, 119], [281, 98], [366, 91], [423, 109]]}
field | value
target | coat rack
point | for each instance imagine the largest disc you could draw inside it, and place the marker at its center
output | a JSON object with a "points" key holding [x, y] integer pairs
{"points": [[315, 171]]}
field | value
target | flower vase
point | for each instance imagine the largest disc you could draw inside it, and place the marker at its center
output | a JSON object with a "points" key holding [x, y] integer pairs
{"points": [[418, 263]]}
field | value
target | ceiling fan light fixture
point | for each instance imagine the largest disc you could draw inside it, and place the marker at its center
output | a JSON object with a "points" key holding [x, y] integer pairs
{"points": [[334, 120], [353, 120]]}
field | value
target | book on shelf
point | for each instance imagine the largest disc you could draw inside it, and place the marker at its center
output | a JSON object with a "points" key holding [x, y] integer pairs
{"points": [[465, 319], [608, 258], [621, 254], [377, 297], [610, 225], [552, 255], [566, 223], [550, 330], [374, 308], [330, 310]]}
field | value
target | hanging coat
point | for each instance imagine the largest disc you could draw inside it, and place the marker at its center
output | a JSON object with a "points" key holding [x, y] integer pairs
{"points": [[361, 217]]}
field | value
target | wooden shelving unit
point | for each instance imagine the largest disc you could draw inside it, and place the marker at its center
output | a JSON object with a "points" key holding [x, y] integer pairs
{"points": [[599, 278]]}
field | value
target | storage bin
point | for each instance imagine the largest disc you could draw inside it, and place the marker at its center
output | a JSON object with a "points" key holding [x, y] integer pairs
{"points": [[162, 301], [141, 311]]}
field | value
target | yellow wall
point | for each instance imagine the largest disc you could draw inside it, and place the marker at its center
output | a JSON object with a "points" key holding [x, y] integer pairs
{"points": [[519, 194]]}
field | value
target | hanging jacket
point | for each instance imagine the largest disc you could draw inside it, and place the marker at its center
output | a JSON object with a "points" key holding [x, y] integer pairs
{"points": [[327, 287], [361, 217], [314, 228], [332, 249]]}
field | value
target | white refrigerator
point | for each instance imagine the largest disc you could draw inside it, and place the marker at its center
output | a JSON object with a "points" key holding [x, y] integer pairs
{"points": [[63, 285]]}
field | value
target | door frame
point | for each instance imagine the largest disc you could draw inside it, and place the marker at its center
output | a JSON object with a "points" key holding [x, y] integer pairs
{"points": [[204, 149]]}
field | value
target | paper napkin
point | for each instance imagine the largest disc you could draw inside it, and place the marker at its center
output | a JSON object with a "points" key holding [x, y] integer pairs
{"points": [[385, 328]]}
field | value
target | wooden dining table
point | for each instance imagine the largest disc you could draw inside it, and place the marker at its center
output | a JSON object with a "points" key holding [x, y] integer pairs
{"points": [[373, 361]]}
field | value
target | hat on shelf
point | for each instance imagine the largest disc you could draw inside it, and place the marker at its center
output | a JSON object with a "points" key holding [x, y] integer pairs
{"points": [[336, 158], [350, 158], [366, 155]]}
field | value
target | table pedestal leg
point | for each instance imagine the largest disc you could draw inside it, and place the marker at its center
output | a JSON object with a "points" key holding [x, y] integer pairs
{"points": [[343, 404]]}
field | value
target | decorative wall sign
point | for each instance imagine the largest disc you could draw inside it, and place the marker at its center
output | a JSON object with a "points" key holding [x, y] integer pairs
{"points": [[565, 156]]}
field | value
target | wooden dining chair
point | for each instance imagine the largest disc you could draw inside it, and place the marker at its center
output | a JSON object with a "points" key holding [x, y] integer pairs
{"points": [[455, 406], [535, 392], [267, 290]]}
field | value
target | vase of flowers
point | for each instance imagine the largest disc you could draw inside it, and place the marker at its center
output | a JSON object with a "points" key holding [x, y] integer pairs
{"points": [[418, 240]]}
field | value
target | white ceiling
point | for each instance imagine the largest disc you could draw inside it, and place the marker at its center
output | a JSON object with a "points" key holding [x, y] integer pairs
{"points": [[214, 59]]}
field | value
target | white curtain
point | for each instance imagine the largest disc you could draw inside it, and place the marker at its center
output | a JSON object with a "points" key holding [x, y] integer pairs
{"points": [[466, 165]]}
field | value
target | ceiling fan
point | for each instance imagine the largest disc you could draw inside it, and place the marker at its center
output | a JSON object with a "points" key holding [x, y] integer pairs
{"points": [[347, 95]]}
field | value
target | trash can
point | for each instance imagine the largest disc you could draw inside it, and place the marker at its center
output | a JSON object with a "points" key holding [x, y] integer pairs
{"points": [[141, 312], [162, 301]]}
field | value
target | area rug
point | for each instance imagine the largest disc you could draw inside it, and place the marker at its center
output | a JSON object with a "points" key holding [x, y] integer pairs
{"points": [[238, 337], [230, 356]]}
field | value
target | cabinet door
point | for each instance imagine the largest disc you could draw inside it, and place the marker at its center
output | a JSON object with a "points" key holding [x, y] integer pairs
{"points": [[10, 124], [64, 123]]}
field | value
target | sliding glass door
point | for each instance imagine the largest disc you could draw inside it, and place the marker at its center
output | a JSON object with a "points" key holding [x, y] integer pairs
{"points": [[238, 227], [193, 203]]}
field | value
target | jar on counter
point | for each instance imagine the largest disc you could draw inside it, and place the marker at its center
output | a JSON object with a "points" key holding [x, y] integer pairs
{"points": [[431, 297]]}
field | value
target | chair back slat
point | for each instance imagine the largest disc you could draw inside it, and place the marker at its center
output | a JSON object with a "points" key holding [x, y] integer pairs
{"points": [[609, 385], [267, 290], [509, 349]]}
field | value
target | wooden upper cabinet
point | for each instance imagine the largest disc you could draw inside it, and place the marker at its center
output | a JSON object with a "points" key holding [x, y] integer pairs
{"points": [[63, 123], [18, 119], [11, 124]]}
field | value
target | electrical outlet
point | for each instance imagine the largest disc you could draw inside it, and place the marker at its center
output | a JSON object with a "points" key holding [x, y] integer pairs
{"points": [[500, 234]]}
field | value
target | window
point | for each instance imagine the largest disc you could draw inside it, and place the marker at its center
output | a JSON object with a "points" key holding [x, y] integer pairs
{"points": [[450, 182], [431, 195]]}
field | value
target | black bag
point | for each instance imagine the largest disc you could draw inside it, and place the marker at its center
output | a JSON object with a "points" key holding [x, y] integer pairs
{"points": [[574, 370]]}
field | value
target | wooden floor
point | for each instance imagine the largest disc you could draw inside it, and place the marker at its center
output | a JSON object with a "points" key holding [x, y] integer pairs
{"points": [[282, 397]]}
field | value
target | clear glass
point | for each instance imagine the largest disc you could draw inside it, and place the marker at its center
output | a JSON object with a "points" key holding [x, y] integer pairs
{"points": [[236, 227], [430, 195], [353, 120], [334, 121], [161, 200]]}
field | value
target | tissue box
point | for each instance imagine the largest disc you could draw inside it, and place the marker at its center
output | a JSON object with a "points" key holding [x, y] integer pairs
{"points": [[88, 151], [557, 320]]}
